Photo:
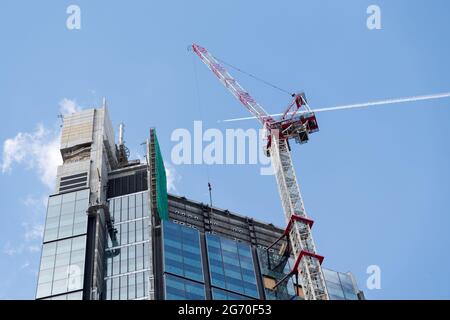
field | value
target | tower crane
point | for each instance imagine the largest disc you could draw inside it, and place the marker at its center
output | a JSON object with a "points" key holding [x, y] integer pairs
{"points": [[297, 123]]}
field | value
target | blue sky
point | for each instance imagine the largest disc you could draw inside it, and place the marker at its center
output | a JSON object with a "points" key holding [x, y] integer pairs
{"points": [[375, 181]]}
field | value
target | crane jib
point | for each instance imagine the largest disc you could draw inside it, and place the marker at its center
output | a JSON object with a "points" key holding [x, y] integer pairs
{"points": [[300, 243]]}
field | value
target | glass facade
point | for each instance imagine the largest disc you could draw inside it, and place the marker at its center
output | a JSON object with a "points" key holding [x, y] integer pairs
{"points": [[127, 265], [271, 272], [192, 251], [70, 296], [218, 294], [62, 267], [186, 252], [66, 215], [178, 288], [182, 255], [184, 278], [340, 285], [231, 268], [63, 254], [231, 265]]}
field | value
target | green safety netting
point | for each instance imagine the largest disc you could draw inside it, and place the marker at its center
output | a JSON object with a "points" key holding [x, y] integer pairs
{"points": [[161, 184]]}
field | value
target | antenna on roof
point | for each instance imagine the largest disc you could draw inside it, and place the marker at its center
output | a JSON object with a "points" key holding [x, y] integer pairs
{"points": [[104, 102], [122, 151], [210, 195], [121, 132]]}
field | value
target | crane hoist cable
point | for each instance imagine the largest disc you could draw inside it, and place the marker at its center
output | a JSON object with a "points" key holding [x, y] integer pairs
{"points": [[199, 106], [255, 77]]}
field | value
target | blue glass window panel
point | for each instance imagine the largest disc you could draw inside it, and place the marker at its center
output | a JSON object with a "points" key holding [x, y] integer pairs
{"points": [[183, 289], [173, 257], [64, 214], [173, 268], [191, 255], [192, 249], [350, 295], [346, 282], [249, 279], [231, 265], [247, 262], [216, 269], [245, 253], [331, 276], [232, 255], [252, 293], [62, 267], [230, 247], [225, 295], [215, 256], [335, 290], [174, 294], [219, 295], [218, 280], [134, 257], [197, 290], [248, 272], [213, 243], [235, 287], [182, 255], [213, 250], [173, 250], [174, 244], [216, 263], [191, 262], [233, 274]]}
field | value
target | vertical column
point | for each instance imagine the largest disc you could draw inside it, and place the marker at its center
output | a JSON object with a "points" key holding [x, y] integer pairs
{"points": [[205, 264], [156, 274], [300, 235]]}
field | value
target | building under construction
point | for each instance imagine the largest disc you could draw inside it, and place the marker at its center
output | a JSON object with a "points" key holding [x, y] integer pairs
{"points": [[112, 232]]}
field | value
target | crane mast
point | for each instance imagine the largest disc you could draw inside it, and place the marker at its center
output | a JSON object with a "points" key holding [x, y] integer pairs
{"points": [[307, 265]]}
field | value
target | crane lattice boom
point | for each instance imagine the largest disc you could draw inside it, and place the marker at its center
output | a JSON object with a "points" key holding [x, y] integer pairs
{"points": [[307, 264], [231, 84]]}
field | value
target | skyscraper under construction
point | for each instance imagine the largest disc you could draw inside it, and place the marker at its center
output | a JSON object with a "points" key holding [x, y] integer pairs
{"points": [[112, 232]]}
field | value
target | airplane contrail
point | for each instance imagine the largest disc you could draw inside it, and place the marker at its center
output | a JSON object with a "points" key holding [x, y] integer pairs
{"points": [[362, 105]]}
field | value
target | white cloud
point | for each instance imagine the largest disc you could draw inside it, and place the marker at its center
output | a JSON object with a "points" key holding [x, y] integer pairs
{"points": [[35, 203], [34, 248], [172, 177], [31, 201], [68, 106], [31, 237], [10, 250], [37, 150], [33, 232]]}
